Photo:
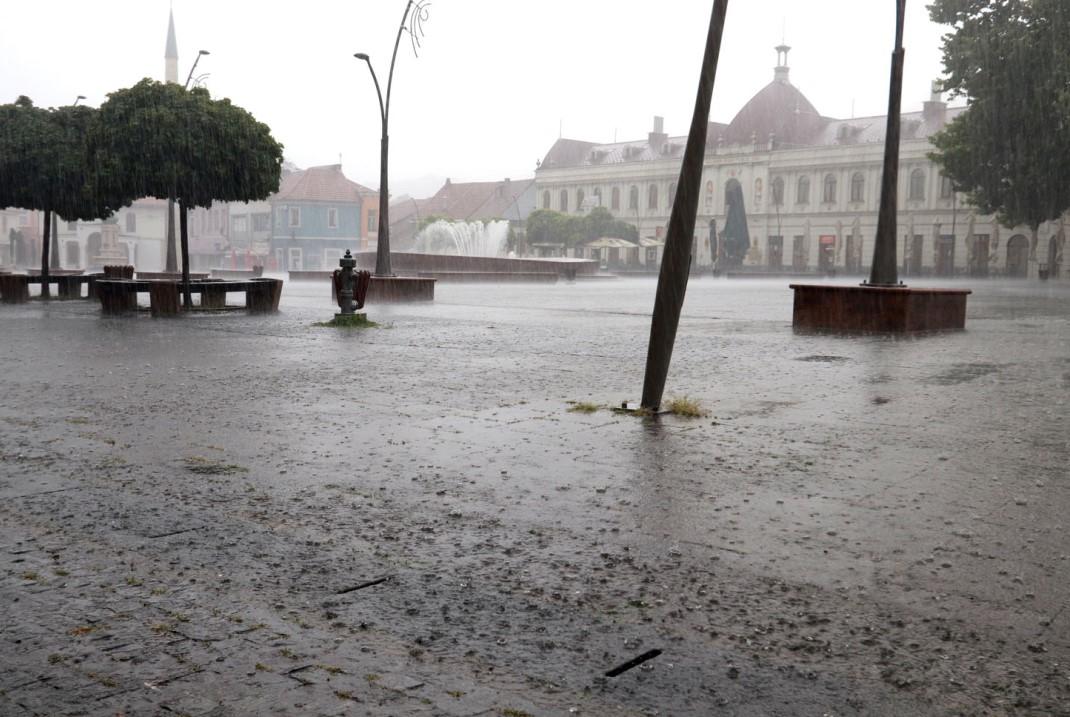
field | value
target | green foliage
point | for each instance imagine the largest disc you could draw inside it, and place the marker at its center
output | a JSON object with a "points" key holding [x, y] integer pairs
{"points": [[1008, 149], [43, 162], [431, 219], [160, 140], [547, 226]]}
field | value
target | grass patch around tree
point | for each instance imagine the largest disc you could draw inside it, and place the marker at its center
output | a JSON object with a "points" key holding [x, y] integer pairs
{"points": [[352, 321], [583, 407], [686, 406]]}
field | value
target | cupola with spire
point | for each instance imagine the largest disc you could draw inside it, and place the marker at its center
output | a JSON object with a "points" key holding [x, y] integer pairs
{"points": [[780, 73]]}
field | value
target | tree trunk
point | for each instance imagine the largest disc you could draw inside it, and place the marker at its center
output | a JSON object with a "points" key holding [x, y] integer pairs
{"points": [[676, 259], [54, 260], [45, 246], [187, 297], [171, 261]]}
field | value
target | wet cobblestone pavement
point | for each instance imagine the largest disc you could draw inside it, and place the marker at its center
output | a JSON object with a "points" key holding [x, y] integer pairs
{"points": [[239, 515]]}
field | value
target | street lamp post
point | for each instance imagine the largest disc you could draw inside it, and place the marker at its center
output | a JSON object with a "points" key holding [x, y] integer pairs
{"points": [[382, 253], [78, 99]]}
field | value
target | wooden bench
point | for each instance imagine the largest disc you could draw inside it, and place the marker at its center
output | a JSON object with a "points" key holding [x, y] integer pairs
{"points": [[15, 288], [118, 296], [168, 275], [255, 273]]}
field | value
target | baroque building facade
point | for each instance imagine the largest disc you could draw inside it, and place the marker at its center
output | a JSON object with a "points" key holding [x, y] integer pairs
{"points": [[811, 188]]}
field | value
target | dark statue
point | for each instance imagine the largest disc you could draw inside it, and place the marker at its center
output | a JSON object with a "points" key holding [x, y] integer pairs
{"points": [[735, 239]]}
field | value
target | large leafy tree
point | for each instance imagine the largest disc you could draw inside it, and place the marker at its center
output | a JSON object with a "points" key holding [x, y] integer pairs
{"points": [[159, 140], [43, 167], [548, 226], [1008, 150]]}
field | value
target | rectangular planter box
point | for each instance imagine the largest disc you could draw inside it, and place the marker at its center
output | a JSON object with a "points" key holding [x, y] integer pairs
{"points": [[878, 309]]}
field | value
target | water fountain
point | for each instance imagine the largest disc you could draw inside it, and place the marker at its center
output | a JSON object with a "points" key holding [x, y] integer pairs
{"points": [[464, 238]]}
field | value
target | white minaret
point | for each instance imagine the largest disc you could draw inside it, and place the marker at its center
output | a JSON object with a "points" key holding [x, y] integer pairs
{"points": [[171, 55]]}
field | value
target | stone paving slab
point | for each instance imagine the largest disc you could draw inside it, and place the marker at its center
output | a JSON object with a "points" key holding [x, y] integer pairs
{"points": [[859, 527]]}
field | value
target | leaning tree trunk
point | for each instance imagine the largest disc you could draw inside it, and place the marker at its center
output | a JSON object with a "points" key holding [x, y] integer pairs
{"points": [[45, 245], [183, 213]]}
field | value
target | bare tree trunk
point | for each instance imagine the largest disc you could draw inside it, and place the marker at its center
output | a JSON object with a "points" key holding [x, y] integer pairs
{"points": [[46, 292], [54, 260], [676, 260], [183, 213], [171, 261]]}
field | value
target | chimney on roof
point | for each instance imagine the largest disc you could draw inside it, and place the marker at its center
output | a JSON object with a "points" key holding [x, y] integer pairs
{"points": [[780, 73], [934, 111], [657, 138]]}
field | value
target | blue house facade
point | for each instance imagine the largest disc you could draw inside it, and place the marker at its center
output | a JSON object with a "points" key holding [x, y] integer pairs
{"points": [[315, 217]]}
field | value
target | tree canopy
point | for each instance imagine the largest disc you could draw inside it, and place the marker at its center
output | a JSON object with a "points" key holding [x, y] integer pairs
{"points": [[545, 226], [1008, 150], [43, 162], [162, 140]]}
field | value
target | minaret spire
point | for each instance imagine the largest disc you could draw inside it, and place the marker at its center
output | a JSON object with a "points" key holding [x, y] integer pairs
{"points": [[171, 54]]}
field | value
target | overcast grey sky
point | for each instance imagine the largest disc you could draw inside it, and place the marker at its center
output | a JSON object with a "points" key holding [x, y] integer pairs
{"points": [[495, 80]]}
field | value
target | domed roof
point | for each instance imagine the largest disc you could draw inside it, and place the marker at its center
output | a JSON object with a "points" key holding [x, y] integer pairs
{"points": [[780, 109]]}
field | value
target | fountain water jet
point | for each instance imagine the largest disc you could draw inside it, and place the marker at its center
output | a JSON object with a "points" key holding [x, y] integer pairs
{"points": [[464, 238]]}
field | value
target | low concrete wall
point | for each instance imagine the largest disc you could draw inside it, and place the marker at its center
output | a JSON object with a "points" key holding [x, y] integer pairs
{"points": [[412, 263], [398, 289], [471, 277]]}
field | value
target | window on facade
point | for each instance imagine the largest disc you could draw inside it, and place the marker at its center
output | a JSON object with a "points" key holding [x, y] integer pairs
{"points": [[260, 222], [709, 195], [564, 201], [633, 197], [545, 200], [131, 222], [295, 216], [332, 218], [858, 187], [615, 199], [945, 187], [652, 197], [778, 191], [802, 191], [373, 221], [579, 199], [917, 185], [828, 195]]}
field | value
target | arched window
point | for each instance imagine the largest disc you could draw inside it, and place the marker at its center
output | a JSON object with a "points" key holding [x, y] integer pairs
{"points": [[917, 185], [858, 187], [828, 194], [564, 200], [709, 194], [614, 202], [778, 191], [545, 200], [579, 200], [633, 197], [598, 196], [802, 191], [652, 197], [672, 194]]}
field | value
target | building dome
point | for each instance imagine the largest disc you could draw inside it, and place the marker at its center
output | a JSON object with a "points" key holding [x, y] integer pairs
{"points": [[779, 109]]}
